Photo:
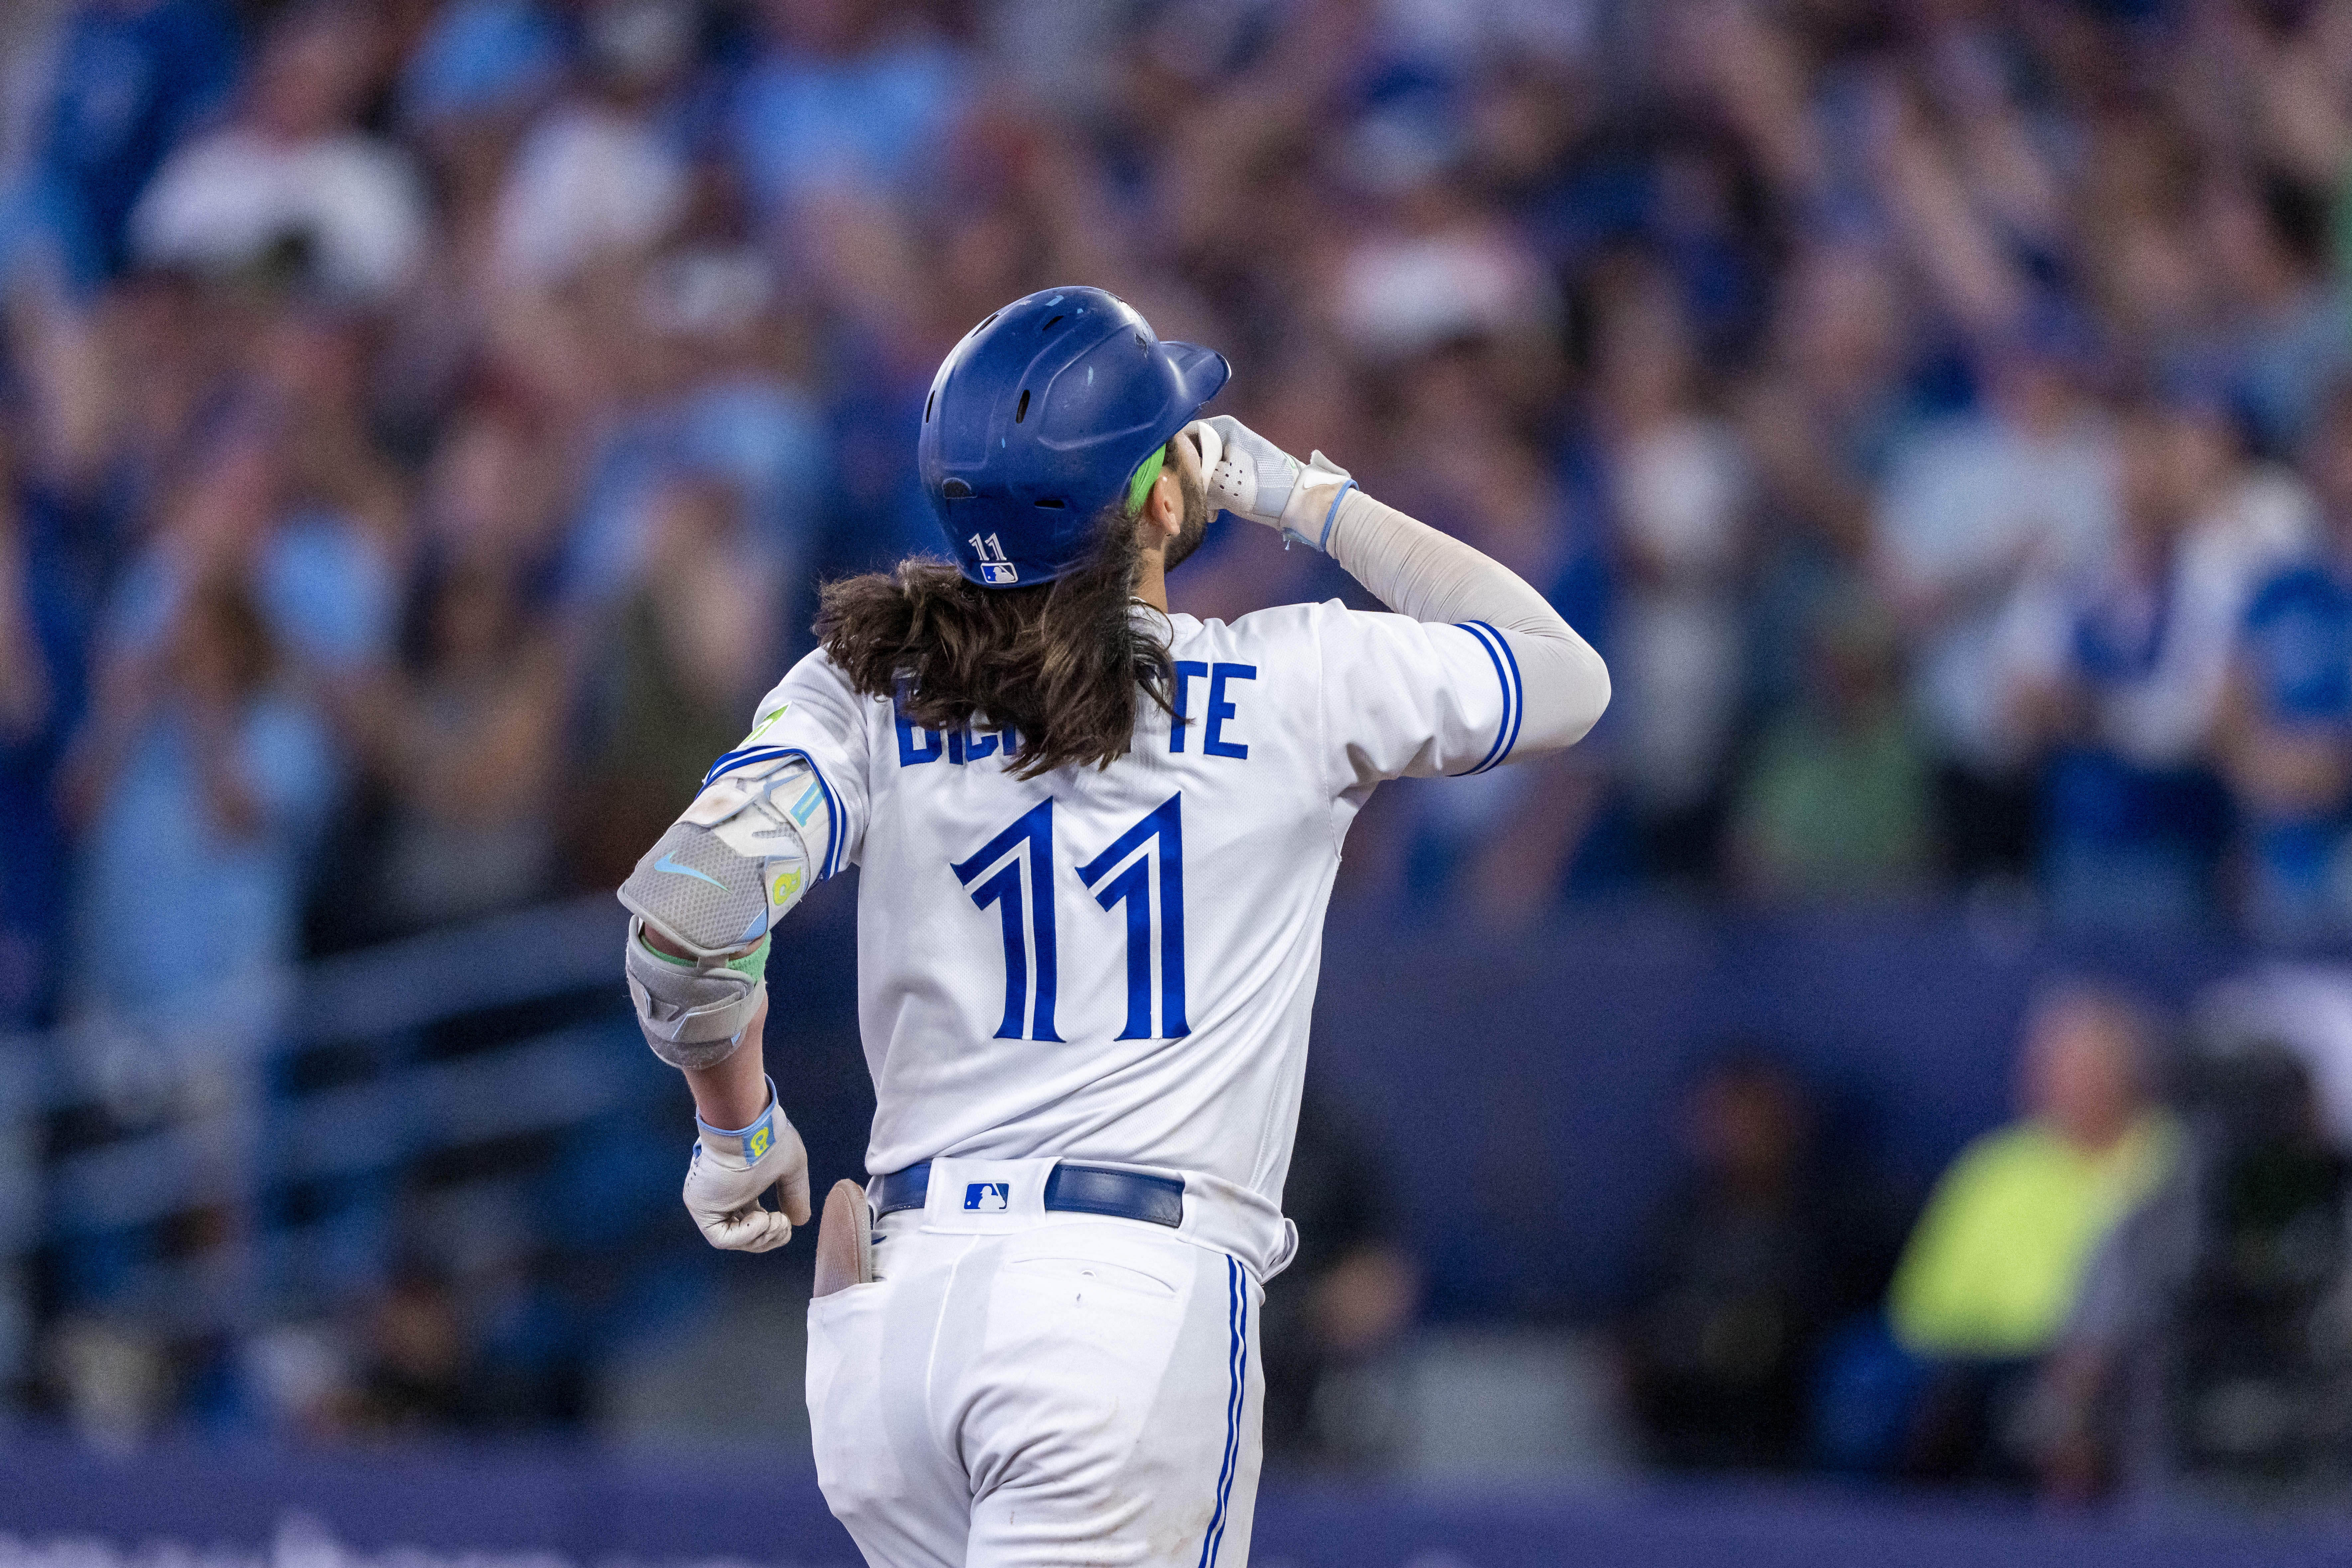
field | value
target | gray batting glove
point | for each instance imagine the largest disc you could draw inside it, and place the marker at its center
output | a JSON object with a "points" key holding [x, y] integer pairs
{"points": [[731, 1170], [1252, 477]]}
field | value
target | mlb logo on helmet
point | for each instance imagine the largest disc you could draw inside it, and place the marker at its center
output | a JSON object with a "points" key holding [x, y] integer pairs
{"points": [[996, 575], [988, 1198]]}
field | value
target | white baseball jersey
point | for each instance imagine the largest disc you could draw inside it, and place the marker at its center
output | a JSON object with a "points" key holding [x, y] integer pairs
{"points": [[1117, 965]]}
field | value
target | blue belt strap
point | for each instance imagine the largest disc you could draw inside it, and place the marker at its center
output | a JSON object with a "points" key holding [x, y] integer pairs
{"points": [[1070, 1189]]}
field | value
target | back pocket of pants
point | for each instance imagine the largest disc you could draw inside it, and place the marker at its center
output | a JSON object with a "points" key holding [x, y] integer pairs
{"points": [[1084, 1273]]}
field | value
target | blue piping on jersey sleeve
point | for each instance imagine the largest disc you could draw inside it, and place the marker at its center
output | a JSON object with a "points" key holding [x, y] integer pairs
{"points": [[1519, 693], [1507, 729], [832, 823], [745, 758]]}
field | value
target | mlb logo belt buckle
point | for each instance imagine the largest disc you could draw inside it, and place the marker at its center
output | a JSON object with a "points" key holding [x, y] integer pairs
{"points": [[1070, 1189]]}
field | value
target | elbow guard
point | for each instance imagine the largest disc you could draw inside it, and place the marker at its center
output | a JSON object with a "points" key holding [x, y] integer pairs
{"points": [[693, 1011], [714, 885]]}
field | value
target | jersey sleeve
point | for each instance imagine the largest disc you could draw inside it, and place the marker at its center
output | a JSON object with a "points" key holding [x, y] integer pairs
{"points": [[813, 714], [1411, 699]]}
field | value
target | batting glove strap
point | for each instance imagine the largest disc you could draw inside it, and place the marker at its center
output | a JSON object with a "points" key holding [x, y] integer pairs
{"points": [[741, 1148], [1313, 492]]}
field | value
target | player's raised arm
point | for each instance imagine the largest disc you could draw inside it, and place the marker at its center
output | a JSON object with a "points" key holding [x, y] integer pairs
{"points": [[1414, 570]]}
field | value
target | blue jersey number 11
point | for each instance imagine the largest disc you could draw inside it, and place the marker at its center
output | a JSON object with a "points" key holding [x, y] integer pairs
{"points": [[1132, 887], [1024, 907], [1028, 843]]}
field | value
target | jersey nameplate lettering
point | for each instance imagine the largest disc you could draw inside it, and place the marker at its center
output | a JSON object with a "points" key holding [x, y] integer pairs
{"points": [[1221, 710], [917, 745]]}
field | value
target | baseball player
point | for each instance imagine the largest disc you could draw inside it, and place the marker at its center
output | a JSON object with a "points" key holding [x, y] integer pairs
{"points": [[1096, 842]]}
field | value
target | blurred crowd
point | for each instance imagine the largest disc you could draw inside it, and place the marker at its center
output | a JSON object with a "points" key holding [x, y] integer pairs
{"points": [[423, 425], [2140, 1287]]}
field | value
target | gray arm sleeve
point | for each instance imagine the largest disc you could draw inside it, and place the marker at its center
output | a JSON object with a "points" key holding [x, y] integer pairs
{"points": [[1416, 571], [715, 885]]}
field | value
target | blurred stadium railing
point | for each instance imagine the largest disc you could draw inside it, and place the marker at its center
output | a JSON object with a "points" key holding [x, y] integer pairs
{"points": [[241, 1108]]}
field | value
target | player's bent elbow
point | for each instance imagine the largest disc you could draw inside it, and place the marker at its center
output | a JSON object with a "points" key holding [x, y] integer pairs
{"points": [[1567, 693], [1592, 693]]}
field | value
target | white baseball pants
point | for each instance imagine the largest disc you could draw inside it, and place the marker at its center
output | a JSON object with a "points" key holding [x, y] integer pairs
{"points": [[1078, 1391]]}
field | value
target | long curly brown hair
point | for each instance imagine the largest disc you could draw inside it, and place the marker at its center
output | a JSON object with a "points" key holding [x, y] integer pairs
{"points": [[1062, 663]]}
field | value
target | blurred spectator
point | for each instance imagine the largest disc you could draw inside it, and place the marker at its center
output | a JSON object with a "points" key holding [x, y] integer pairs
{"points": [[1828, 410], [481, 58], [2121, 662], [2286, 738], [1998, 1256], [600, 173], [248, 513], [2206, 1355], [1997, 1260], [714, 314], [491, 497], [1968, 507], [1838, 800], [290, 183], [414, 1365], [204, 774], [1679, 491], [1751, 1259], [131, 78], [469, 752], [849, 102], [681, 659], [1348, 1295], [327, 571], [2283, 335], [704, 402], [111, 1381], [1821, 418], [43, 626]]}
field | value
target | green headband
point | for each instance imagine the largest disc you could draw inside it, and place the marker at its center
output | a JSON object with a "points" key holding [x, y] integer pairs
{"points": [[1147, 474]]}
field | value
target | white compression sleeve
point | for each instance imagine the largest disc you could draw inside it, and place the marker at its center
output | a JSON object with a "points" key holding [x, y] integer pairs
{"points": [[1416, 571]]}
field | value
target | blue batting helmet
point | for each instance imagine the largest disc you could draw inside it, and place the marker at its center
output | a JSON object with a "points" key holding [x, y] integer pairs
{"points": [[1040, 417]]}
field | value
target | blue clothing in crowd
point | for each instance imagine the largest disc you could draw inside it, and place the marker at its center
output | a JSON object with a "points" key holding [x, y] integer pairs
{"points": [[873, 122], [131, 80], [760, 439], [2128, 841], [2298, 646], [243, 894], [32, 840], [483, 56], [2296, 650], [328, 597]]}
